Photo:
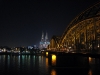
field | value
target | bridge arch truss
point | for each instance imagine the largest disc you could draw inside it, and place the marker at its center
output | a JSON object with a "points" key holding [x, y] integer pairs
{"points": [[83, 32]]}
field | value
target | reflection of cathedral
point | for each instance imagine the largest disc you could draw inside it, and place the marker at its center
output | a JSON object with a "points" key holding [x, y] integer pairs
{"points": [[44, 41]]}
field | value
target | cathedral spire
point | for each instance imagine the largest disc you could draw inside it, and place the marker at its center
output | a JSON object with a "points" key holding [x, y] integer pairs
{"points": [[46, 37], [44, 41], [42, 38]]}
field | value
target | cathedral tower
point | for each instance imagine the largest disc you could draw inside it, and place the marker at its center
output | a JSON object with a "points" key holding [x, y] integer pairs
{"points": [[42, 38], [46, 37], [44, 41]]}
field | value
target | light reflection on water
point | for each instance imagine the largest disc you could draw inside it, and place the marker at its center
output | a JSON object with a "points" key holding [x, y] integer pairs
{"points": [[38, 65], [91, 60], [53, 72], [90, 72], [24, 64], [94, 66], [53, 59]]}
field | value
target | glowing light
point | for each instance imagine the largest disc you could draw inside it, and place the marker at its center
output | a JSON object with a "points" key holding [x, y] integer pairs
{"points": [[53, 60], [46, 53], [98, 45], [53, 72], [90, 72], [90, 59], [73, 52]]}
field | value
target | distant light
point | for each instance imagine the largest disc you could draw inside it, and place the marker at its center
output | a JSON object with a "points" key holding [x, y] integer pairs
{"points": [[69, 47], [30, 47], [73, 52], [46, 53], [98, 45], [90, 59]]}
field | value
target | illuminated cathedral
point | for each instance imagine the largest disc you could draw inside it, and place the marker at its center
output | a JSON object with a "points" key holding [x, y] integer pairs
{"points": [[44, 41]]}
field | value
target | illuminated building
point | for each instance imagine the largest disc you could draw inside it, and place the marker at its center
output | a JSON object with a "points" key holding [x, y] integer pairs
{"points": [[44, 41]]}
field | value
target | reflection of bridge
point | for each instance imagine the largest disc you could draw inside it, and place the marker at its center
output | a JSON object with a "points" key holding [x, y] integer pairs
{"points": [[82, 34], [72, 60]]}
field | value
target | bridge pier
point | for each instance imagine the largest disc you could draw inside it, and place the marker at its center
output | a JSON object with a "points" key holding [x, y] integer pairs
{"points": [[62, 59]]}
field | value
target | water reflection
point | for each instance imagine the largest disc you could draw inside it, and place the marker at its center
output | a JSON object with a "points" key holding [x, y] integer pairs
{"points": [[38, 65], [53, 72], [94, 66], [91, 60], [53, 60], [90, 72], [46, 63], [23, 65]]}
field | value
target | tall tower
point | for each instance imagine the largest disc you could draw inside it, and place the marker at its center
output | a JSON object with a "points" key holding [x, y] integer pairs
{"points": [[42, 38], [44, 41], [46, 37]]}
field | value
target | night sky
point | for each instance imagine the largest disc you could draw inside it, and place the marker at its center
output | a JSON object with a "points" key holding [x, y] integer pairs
{"points": [[22, 21]]}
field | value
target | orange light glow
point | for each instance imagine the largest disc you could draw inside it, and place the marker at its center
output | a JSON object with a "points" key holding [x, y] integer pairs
{"points": [[90, 72], [53, 60], [90, 59], [53, 72], [46, 53]]}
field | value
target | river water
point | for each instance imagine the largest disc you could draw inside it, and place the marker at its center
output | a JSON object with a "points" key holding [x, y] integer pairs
{"points": [[38, 65]]}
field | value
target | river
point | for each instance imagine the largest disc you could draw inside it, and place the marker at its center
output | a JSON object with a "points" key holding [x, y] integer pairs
{"points": [[38, 65]]}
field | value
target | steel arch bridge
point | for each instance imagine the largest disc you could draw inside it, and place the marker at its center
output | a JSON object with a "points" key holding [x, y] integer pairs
{"points": [[83, 32]]}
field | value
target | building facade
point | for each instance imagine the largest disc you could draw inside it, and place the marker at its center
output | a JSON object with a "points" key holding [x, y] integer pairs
{"points": [[44, 42]]}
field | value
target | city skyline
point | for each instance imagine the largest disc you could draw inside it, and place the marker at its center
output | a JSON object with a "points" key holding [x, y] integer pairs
{"points": [[22, 22]]}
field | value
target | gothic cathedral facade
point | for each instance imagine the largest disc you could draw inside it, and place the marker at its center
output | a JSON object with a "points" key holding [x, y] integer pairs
{"points": [[44, 42]]}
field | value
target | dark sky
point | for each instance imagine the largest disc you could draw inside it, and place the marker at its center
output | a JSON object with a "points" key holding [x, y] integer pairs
{"points": [[22, 21]]}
